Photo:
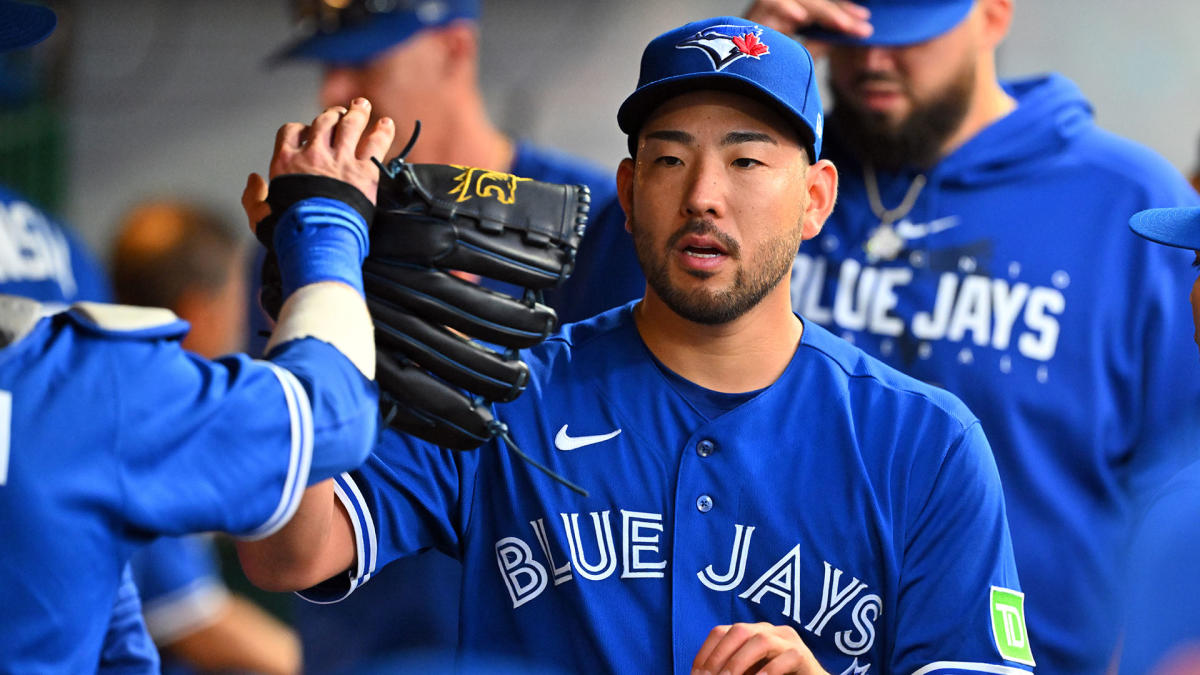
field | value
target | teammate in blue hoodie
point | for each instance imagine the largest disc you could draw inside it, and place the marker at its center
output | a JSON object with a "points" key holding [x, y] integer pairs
{"points": [[979, 244], [761, 492]]}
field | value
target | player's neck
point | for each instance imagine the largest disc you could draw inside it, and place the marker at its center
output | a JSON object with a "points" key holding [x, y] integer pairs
{"points": [[988, 104], [746, 354]]}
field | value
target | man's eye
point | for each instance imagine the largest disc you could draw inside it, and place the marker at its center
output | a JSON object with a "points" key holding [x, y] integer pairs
{"points": [[746, 162], [668, 160]]}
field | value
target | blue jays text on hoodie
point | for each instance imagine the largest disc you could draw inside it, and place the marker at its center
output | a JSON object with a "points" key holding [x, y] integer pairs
{"points": [[1015, 283]]}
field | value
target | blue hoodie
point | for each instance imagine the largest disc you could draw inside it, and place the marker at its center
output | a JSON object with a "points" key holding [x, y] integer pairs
{"points": [[1015, 283]]}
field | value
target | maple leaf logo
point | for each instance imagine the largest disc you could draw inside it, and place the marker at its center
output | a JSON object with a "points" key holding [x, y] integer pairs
{"points": [[749, 45]]}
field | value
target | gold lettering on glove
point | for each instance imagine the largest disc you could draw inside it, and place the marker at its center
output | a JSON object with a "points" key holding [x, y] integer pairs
{"points": [[473, 182]]}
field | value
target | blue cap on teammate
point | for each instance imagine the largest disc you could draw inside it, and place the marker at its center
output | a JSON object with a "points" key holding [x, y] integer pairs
{"points": [[901, 22], [730, 54], [353, 33], [22, 24], [1179, 227]]}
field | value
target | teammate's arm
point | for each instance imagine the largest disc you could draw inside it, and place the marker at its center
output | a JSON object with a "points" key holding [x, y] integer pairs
{"points": [[318, 542], [756, 648]]}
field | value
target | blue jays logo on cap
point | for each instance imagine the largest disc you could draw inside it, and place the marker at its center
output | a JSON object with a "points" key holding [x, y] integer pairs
{"points": [[739, 56], [726, 44]]}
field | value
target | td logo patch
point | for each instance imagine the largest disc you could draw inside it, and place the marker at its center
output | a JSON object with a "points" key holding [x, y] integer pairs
{"points": [[1008, 625]]}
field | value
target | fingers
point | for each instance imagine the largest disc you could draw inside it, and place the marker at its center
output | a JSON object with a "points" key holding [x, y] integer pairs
{"points": [[289, 137], [755, 648], [254, 200], [377, 141], [349, 128], [792, 16], [320, 132]]}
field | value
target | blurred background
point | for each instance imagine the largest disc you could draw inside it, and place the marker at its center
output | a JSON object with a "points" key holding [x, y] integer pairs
{"points": [[137, 98]]}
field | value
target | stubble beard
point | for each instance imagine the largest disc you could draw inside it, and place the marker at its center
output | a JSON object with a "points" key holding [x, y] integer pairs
{"points": [[918, 139], [750, 285]]}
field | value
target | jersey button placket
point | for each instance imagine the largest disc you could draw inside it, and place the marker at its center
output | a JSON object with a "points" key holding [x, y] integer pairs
{"points": [[704, 503], [705, 448]]}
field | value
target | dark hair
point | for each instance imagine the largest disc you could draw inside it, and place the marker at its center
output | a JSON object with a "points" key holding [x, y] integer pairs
{"points": [[166, 247]]}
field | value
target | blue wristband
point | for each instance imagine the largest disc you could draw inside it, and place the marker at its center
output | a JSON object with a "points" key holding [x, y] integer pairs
{"points": [[321, 239]]}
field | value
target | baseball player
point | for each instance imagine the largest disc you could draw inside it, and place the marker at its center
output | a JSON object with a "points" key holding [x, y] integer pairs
{"points": [[978, 244], [1162, 633], [761, 492], [110, 428], [416, 59], [44, 260]]}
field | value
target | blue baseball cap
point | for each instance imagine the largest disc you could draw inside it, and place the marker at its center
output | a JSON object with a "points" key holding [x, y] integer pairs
{"points": [[901, 22], [729, 54], [1179, 226], [353, 33], [24, 25]]}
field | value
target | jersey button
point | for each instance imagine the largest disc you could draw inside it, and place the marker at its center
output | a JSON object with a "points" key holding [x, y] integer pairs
{"points": [[705, 448], [704, 503]]}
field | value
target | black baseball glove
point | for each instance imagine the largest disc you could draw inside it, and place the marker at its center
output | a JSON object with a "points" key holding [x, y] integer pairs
{"points": [[446, 344], [440, 233]]}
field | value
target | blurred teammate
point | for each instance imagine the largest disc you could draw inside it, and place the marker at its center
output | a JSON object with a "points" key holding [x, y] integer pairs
{"points": [[866, 533], [977, 244], [185, 258], [112, 434], [1162, 625], [415, 60]]}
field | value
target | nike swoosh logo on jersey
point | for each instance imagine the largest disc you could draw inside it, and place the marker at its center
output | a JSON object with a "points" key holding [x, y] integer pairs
{"points": [[909, 230], [564, 442]]}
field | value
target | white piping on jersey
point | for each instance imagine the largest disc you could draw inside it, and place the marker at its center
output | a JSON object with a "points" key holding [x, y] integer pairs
{"points": [[970, 667], [300, 456], [364, 531]]}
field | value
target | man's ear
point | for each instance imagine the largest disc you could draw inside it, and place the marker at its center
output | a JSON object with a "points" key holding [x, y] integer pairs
{"points": [[625, 188], [460, 44], [997, 18], [821, 182]]}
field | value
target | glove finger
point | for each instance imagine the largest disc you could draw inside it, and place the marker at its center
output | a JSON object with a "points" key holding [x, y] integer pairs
{"points": [[428, 409], [455, 359], [469, 308]]}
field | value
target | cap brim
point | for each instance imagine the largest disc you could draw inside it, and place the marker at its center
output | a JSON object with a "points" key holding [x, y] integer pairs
{"points": [[900, 25], [1179, 227], [634, 111], [361, 43], [23, 25]]}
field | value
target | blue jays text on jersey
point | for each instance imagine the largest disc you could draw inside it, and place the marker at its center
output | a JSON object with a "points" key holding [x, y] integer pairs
{"points": [[112, 435], [846, 500]]}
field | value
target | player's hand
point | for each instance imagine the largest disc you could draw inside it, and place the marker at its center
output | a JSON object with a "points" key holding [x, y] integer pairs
{"points": [[336, 146], [791, 16], [755, 648]]}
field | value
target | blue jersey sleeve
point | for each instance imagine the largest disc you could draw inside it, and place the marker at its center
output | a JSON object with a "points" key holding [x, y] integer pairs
{"points": [[408, 497], [228, 445], [127, 648], [180, 585], [961, 609]]}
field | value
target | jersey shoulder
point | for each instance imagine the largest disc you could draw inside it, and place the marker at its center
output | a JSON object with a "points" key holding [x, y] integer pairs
{"points": [[127, 321], [850, 364]]}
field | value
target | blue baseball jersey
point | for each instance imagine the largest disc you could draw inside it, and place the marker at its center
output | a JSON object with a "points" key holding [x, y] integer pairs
{"points": [[127, 648], [1014, 282], [180, 585], [1161, 616], [848, 501], [114, 436], [412, 606]]}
